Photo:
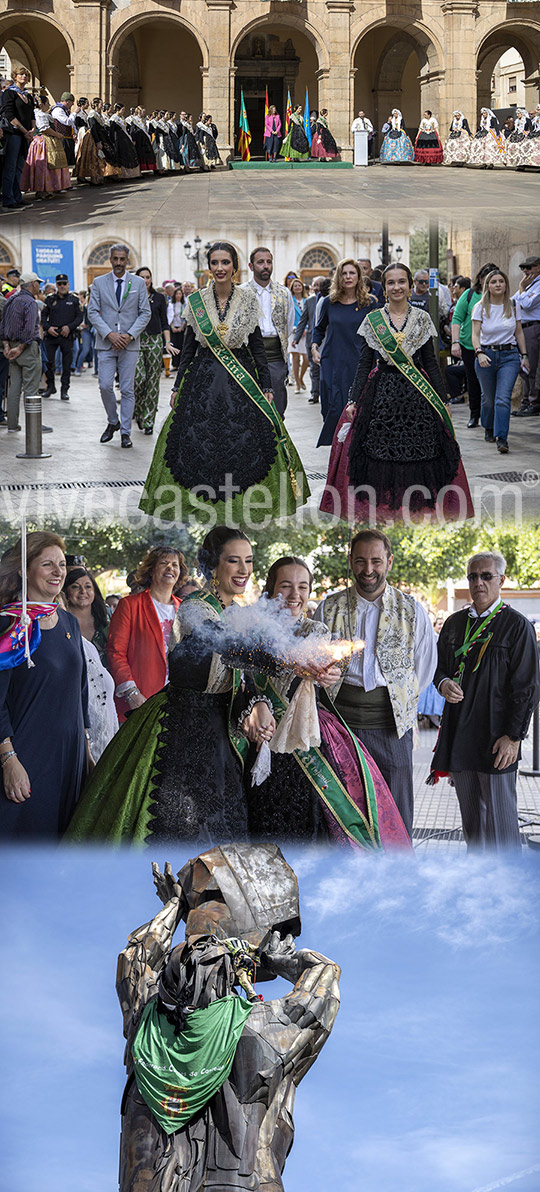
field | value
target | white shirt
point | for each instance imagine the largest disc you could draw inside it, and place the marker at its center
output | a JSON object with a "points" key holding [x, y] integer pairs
{"points": [[59, 113], [364, 670], [361, 124], [266, 323], [496, 328], [528, 302]]}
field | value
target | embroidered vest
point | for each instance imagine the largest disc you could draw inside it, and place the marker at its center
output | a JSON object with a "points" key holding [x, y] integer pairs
{"points": [[394, 646]]}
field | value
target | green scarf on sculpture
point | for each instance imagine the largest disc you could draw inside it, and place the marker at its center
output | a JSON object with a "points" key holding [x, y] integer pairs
{"points": [[390, 342], [177, 1075], [243, 378]]}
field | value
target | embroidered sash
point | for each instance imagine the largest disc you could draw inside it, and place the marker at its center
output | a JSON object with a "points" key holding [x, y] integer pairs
{"points": [[238, 743], [240, 374], [388, 341], [363, 830]]}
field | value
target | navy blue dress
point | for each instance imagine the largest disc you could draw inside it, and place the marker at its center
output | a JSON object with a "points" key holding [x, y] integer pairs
{"points": [[44, 709], [339, 359]]}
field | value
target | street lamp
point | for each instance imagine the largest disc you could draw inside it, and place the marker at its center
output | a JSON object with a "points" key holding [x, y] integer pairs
{"points": [[194, 254]]}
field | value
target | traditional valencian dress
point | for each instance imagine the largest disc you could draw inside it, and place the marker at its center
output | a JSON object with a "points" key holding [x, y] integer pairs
{"points": [[174, 769], [323, 144], [125, 151], [328, 791], [397, 145], [223, 430], [46, 169], [487, 146], [457, 146], [531, 148], [402, 435], [427, 147], [143, 145], [517, 143], [296, 145]]}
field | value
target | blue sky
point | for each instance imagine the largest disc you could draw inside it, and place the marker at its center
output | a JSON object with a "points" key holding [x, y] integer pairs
{"points": [[428, 1082]]}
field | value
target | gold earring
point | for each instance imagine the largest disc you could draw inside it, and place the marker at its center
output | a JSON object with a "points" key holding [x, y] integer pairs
{"points": [[214, 584]]}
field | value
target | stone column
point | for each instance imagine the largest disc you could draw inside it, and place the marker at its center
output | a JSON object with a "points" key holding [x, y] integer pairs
{"points": [[459, 87], [112, 82], [431, 91], [92, 31], [217, 83], [338, 84], [231, 129]]}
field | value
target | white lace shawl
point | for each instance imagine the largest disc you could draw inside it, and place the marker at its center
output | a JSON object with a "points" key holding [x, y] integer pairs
{"points": [[242, 316], [419, 328]]}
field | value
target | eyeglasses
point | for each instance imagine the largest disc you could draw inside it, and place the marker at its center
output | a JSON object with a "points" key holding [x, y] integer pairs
{"points": [[486, 576], [420, 281]]}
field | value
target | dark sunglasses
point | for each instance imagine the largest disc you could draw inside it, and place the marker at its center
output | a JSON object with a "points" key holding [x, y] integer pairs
{"points": [[486, 576]]}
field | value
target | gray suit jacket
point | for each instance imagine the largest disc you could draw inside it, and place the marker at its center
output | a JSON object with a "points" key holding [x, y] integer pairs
{"points": [[105, 315]]}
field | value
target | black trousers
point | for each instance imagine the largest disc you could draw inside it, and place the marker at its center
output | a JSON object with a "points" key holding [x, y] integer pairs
{"points": [[65, 343]]}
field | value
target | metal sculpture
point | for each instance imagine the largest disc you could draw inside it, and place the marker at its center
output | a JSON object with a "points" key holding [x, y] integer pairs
{"points": [[240, 906]]}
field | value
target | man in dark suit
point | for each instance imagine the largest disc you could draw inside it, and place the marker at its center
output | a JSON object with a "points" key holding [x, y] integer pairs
{"points": [[305, 323]]}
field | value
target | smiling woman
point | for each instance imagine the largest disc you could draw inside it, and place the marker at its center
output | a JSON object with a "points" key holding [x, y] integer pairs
{"points": [[43, 705], [174, 771]]}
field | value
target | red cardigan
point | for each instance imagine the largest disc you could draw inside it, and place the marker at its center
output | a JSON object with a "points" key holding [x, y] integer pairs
{"points": [[135, 646]]}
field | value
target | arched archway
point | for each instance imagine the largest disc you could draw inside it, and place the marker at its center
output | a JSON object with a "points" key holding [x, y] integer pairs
{"points": [[318, 261], [281, 57], [7, 258], [148, 54], [396, 67], [98, 259], [40, 44], [525, 40]]}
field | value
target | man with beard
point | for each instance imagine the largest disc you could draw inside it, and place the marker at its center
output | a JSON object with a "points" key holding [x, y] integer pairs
{"points": [[212, 1076], [378, 695], [276, 321]]}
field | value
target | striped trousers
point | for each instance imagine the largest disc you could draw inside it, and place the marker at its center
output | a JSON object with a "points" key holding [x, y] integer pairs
{"points": [[488, 805]]}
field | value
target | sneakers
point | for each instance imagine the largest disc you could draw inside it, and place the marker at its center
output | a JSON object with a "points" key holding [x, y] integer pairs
{"points": [[502, 446]]}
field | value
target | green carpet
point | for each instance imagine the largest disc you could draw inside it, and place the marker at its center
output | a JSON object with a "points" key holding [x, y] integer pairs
{"points": [[290, 165]]}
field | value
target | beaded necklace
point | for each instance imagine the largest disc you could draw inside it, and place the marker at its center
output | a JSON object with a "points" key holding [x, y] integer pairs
{"points": [[223, 311], [399, 333]]}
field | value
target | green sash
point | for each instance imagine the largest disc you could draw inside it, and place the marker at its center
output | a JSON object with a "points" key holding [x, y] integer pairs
{"points": [[363, 830], [177, 1075], [388, 341], [239, 744], [240, 374]]}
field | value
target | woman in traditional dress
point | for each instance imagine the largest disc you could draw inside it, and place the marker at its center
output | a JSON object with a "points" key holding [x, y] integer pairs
{"points": [[174, 770], [487, 146], [332, 790], [499, 344], [44, 707], [340, 316], [91, 164], [399, 450], [143, 145], [458, 143], [113, 168], [516, 143], [323, 145], [126, 153], [191, 151], [396, 146], [81, 122], [272, 133], [155, 337], [298, 351], [296, 145], [223, 430], [428, 149], [531, 146], [211, 152], [46, 169], [83, 598]]}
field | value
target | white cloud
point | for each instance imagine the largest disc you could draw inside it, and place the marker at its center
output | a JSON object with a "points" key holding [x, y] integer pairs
{"points": [[509, 1179], [469, 902]]}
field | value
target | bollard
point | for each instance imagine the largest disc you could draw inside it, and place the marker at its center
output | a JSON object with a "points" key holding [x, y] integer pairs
{"points": [[33, 431]]}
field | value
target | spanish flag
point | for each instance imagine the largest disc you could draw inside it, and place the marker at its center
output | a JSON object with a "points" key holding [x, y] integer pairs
{"points": [[244, 136]]}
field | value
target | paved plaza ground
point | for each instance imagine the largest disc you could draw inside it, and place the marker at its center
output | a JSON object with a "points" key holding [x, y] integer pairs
{"points": [[275, 203], [86, 478]]}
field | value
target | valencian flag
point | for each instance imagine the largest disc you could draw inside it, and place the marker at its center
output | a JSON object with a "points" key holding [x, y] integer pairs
{"points": [[307, 121], [288, 113], [244, 136]]}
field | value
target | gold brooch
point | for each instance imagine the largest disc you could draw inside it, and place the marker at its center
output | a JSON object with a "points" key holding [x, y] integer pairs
{"points": [[68, 635]]}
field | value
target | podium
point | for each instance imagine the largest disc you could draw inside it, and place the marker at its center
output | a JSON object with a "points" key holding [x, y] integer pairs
{"points": [[361, 148]]}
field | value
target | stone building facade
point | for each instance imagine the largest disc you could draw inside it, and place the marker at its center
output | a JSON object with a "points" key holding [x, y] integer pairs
{"points": [[349, 54]]}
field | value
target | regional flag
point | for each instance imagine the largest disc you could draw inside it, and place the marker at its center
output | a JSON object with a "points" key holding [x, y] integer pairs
{"points": [[288, 113], [266, 104], [307, 121], [244, 136]]}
